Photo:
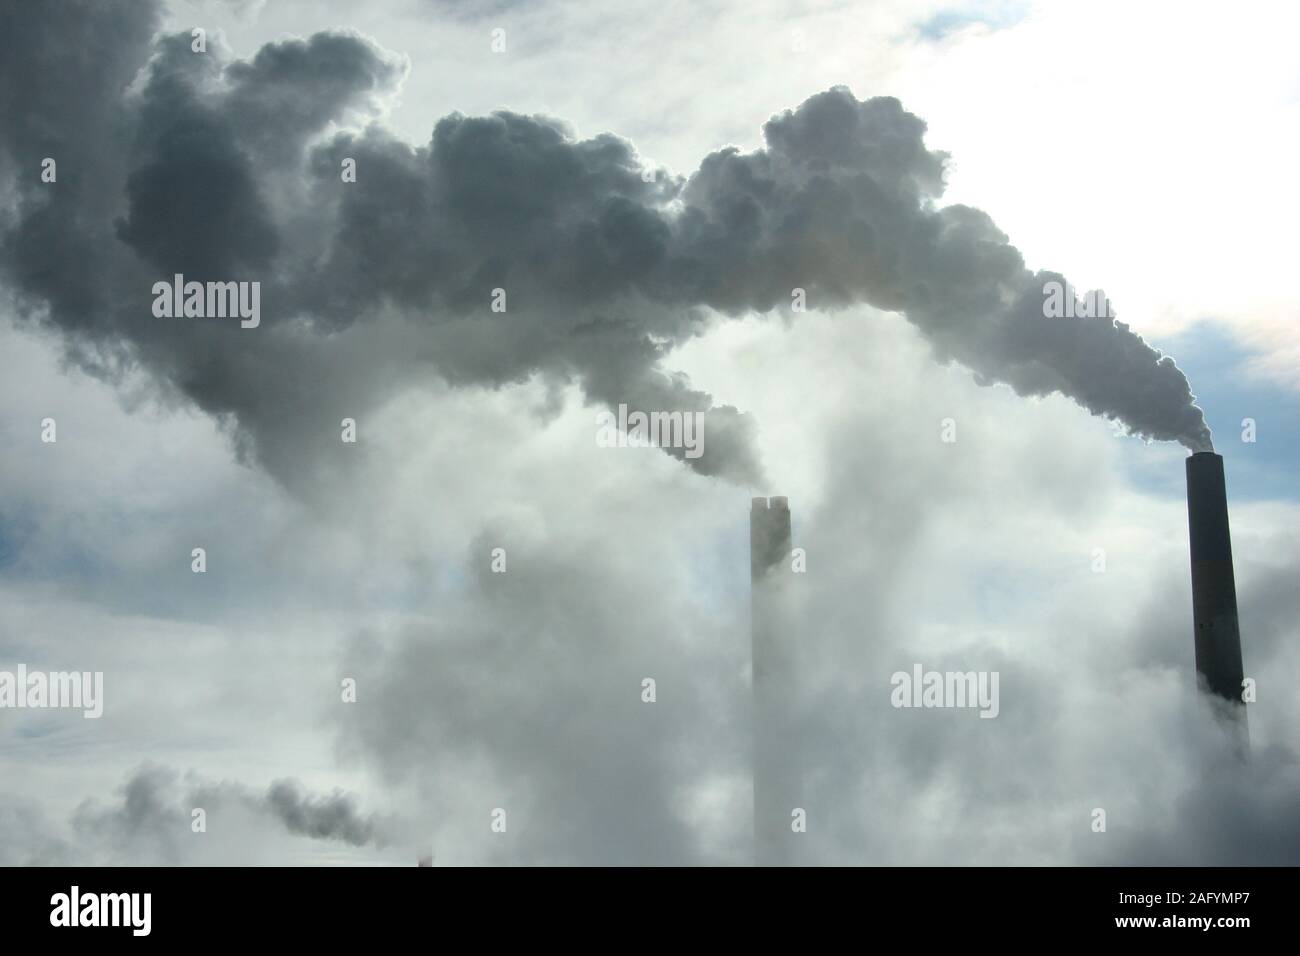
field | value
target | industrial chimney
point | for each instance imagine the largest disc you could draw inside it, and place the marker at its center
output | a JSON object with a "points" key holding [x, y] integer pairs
{"points": [[777, 775], [1214, 589]]}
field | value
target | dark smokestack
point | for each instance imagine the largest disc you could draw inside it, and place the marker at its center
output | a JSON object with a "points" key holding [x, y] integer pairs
{"points": [[1214, 589], [777, 779], [769, 535]]}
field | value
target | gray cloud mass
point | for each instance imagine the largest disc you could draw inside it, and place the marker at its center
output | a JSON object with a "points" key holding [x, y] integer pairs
{"points": [[220, 169]]}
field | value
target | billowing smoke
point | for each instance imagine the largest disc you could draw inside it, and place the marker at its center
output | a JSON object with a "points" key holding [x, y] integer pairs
{"points": [[152, 821], [156, 800], [172, 161], [330, 817]]}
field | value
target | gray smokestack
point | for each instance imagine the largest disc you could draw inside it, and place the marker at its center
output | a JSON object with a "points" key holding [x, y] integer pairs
{"points": [[777, 777], [1214, 588]]}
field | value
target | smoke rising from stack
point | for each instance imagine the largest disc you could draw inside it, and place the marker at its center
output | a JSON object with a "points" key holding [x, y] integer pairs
{"points": [[215, 167]]}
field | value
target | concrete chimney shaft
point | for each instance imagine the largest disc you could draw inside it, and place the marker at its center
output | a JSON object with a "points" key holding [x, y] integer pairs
{"points": [[778, 784], [1214, 587]]}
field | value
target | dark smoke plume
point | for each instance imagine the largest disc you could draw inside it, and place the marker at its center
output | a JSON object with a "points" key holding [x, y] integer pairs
{"points": [[151, 818], [218, 168], [332, 817], [156, 805]]}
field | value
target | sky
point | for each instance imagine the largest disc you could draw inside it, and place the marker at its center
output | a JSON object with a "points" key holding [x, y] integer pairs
{"points": [[1139, 151]]}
